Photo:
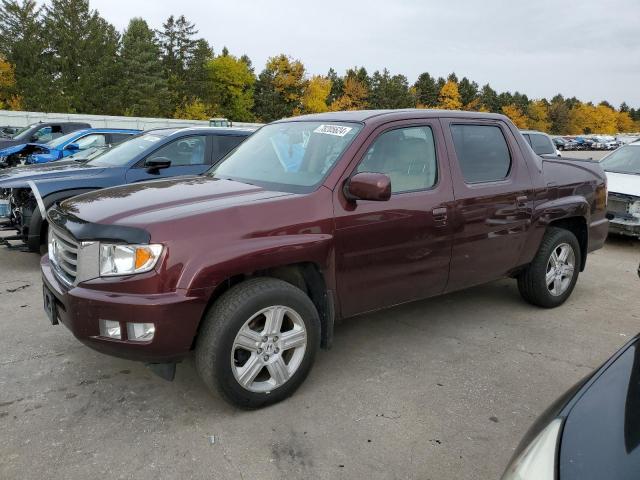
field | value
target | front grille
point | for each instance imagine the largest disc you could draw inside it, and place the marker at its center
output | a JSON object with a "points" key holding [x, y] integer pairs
{"points": [[63, 250]]}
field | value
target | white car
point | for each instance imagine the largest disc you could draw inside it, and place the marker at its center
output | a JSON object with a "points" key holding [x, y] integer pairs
{"points": [[623, 177]]}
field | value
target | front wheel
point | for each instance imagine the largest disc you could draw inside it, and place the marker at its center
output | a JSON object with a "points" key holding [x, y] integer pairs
{"points": [[258, 342], [552, 275]]}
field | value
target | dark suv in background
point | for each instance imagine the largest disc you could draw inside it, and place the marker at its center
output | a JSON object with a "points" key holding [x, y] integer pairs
{"points": [[42, 132], [154, 154]]}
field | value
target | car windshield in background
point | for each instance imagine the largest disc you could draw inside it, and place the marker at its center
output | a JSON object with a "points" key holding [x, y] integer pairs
{"points": [[23, 134], [122, 154], [290, 156], [88, 154], [58, 142], [623, 160]]}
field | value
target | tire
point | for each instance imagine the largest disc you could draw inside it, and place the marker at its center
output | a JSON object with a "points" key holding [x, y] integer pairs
{"points": [[222, 363], [533, 282]]}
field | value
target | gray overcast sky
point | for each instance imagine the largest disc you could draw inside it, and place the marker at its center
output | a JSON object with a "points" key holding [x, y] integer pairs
{"points": [[590, 49]]}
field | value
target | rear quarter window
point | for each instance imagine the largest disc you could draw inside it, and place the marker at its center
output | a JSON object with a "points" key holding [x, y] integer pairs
{"points": [[482, 152]]}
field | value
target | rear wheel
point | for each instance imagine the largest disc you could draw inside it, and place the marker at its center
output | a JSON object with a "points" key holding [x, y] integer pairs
{"points": [[258, 342], [552, 275]]}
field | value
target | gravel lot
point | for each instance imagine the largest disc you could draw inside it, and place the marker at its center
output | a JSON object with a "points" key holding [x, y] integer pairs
{"points": [[439, 389]]}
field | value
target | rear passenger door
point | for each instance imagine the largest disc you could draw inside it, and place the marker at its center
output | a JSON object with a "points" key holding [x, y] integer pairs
{"points": [[493, 201], [189, 155]]}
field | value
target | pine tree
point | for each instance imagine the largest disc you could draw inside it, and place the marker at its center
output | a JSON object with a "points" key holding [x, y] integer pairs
{"points": [[337, 86], [468, 91], [22, 43], [389, 91], [426, 90], [489, 99], [144, 88], [178, 45], [197, 74], [83, 63], [559, 116]]}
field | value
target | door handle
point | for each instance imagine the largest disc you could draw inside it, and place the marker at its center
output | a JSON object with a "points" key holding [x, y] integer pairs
{"points": [[440, 214]]}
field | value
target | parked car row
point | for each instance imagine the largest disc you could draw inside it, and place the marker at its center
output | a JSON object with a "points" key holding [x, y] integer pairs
{"points": [[63, 146], [587, 143]]}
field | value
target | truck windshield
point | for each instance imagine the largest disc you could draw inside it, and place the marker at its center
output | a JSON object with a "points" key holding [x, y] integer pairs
{"points": [[290, 156], [624, 160], [121, 155]]}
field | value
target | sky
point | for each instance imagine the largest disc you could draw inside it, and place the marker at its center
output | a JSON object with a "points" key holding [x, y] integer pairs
{"points": [[589, 49]]}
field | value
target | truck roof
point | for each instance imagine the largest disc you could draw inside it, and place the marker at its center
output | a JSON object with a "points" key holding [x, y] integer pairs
{"points": [[399, 114]]}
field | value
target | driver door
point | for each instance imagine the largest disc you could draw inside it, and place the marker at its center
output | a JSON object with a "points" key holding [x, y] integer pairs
{"points": [[189, 156]]}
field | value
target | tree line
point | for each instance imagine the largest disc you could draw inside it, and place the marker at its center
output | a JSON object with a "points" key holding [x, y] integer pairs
{"points": [[64, 57]]}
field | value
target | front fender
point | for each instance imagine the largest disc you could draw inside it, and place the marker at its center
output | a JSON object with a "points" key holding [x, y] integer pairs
{"points": [[262, 253]]}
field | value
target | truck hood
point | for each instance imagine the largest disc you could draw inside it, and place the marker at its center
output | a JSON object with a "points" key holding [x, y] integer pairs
{"points": [[18, 176], [144, 203], [627, 184], [23, 146]]}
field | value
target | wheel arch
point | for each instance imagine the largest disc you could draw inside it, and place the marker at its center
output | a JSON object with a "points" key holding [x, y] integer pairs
{"points": [[39, 224], [307, 276], [578, 226]]}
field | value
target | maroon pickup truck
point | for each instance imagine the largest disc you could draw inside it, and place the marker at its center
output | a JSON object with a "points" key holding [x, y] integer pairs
{"points": [[309, 221]]}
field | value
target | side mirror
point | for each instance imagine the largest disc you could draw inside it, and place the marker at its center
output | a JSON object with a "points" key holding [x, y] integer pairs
{"points": [[157, 163], [368, 186], [72, 147]]}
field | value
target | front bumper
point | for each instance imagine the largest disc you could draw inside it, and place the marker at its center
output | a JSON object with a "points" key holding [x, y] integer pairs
{"points": [[625, 226], [175, 315]]}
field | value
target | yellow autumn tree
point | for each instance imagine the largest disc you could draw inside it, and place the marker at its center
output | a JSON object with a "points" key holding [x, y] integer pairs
{"points": [[587, 118], [625, 123], [449, 97], [314, 98], [354, 96], [194, 110], [519, 119], [8, 97], [538, 116]]}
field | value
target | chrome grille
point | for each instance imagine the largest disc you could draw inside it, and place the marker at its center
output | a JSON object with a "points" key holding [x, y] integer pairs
{"points": [[63, 253]]}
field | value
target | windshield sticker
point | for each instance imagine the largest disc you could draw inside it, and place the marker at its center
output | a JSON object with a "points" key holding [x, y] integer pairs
{"points": [[337, 130]]}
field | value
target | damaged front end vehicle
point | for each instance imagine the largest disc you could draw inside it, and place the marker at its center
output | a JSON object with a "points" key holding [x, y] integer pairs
{"points": [[623, 177], [17, 207]]}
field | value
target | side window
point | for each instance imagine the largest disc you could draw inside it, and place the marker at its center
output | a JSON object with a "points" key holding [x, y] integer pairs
{"points": [[407, 156], [45, 134], [542, 145], [223, 144], [184, 151], [117, 138], [482, 152], [89, 141]]}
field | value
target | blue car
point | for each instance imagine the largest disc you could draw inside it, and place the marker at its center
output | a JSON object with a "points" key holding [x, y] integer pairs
{"points": [[155, 154], [35, 153]]}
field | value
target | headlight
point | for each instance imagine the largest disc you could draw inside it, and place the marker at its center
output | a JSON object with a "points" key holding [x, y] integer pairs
{"points": [[538, 460], [127, 259], [634, 208]]}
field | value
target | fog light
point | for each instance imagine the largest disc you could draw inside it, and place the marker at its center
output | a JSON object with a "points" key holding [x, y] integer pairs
{"points": [[140, 332], [110, 329]]}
